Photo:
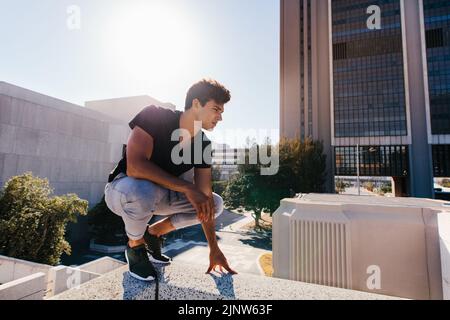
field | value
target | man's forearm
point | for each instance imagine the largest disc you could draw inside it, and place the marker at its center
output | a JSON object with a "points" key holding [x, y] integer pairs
{"points": [[209, 228], [150, 171]]}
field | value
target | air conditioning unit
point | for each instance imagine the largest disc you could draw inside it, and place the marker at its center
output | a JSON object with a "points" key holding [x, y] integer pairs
{"points": [[380, 245]]}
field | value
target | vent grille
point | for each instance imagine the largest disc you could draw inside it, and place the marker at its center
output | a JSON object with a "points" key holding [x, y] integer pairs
{"points": [[319, 253]]}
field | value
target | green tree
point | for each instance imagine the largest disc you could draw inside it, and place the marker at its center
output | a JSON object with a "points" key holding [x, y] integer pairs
{"points": [[251, 192], [33, 222], [219, 187], [301, 169], [302, 165]]}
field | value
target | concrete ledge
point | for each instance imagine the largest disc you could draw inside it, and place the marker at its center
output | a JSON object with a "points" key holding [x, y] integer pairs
{"points": [[14, 269], [180, 281], [105, 248], [27, 288], [102, 265], [62, 278]]}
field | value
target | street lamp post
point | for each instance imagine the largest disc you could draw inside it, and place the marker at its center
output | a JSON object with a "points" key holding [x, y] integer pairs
{"points": [[357, 165], [357, 170]]}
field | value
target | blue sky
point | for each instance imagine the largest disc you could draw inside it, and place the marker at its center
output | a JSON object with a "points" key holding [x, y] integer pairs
{"points": [[154, 47]]}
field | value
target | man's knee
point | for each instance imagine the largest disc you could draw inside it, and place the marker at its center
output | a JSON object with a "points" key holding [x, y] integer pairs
{"points": [[137, 196], [218, 202]]}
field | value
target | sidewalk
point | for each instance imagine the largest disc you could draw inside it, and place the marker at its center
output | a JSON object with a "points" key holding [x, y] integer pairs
{"points": [[242, 248]]}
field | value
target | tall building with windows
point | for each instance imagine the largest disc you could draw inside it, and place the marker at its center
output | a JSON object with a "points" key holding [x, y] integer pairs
{"points": [[436, 17], [380, 86], [305, 82]]}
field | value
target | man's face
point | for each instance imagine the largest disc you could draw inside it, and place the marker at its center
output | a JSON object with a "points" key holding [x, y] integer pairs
{"points": [[210, 114]]}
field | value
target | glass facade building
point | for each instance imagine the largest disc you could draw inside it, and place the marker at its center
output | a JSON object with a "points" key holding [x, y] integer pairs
{"points": [[386, 88], [437, 31], [369, 90], [369, 86]]}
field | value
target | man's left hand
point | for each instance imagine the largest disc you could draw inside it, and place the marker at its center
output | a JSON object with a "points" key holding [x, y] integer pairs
{"points": [[217, 259]]}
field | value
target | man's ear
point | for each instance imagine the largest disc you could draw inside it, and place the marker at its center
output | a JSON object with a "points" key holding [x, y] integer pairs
{"points": [[196, 104]]}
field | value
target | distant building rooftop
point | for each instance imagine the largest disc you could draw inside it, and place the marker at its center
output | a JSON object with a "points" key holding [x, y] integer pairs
{"points": [[126, 108], [364, 200], [13, 91]]}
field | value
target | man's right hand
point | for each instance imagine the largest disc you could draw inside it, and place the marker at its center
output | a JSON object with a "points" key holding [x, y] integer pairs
{"points": [[203, 204]]}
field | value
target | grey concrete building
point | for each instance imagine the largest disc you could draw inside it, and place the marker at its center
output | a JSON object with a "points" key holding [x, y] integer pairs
{"points": [[377, 97], [305, 74], [74, 147]]}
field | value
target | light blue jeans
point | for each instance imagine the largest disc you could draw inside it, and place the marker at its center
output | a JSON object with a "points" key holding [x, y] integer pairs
{"points": [[137, 201]]}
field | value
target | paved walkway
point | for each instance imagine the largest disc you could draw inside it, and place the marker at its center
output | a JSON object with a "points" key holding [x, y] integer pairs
{"points": [[243, 259], [241, 247]]}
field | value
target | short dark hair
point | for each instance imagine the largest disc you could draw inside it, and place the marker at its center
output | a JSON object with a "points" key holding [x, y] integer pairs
{"points": [[205, 90]]}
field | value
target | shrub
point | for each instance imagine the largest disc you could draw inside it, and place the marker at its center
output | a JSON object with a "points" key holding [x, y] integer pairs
{"points": [[386, 188], [369, 186], [106, 226], [446, 183], [340, 186], [33, 222]]}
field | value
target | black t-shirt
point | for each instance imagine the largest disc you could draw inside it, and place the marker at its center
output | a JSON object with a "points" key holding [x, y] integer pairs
{"points": [[160, 123]]}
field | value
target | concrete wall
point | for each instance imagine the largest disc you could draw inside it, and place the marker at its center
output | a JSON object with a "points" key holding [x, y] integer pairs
{"points": [[21, 279], [74, 147], [13, 269], [31, 287], [290, 69]]}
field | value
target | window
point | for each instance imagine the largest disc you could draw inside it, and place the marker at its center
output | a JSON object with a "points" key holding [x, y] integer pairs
{"points": [[434, 38], [441, 160], [385, 161], [340, 51]]}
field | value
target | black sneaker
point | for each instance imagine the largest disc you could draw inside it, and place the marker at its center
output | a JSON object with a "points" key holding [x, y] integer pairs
{"points": [[138, 261], [154, 245]]}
